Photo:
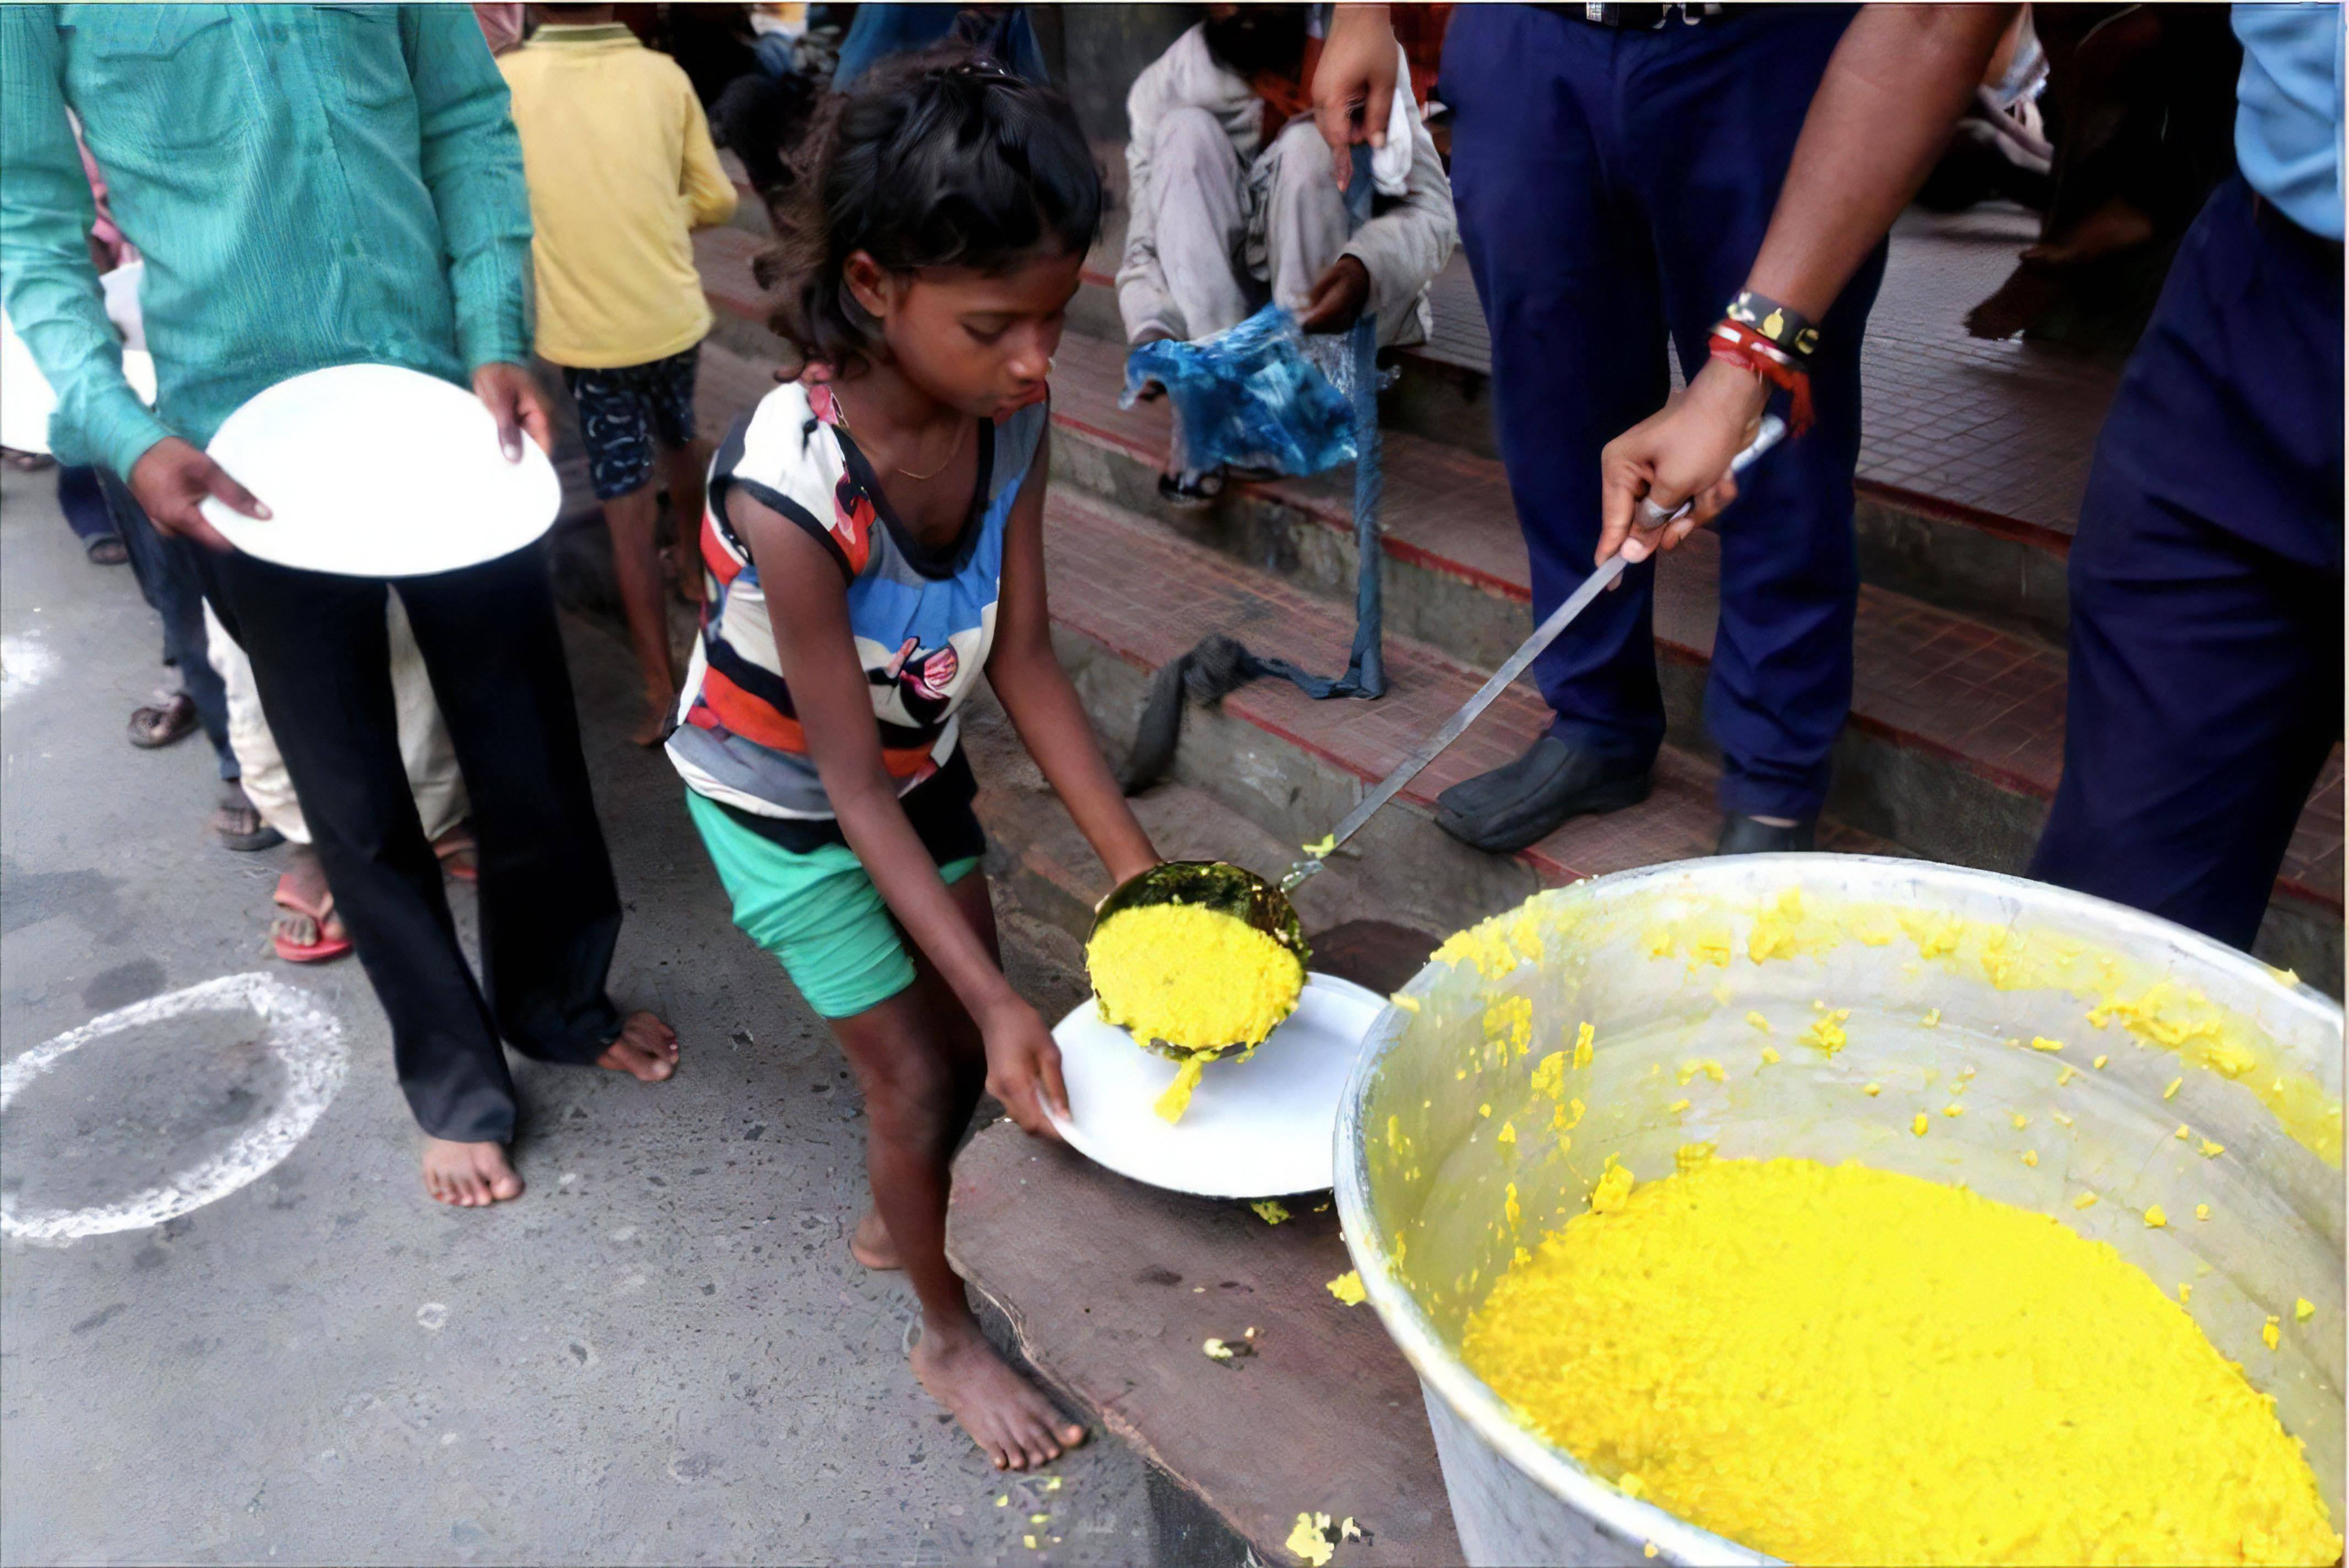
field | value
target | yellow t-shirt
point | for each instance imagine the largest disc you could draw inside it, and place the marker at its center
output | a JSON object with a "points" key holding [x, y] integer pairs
{"points": [[621, 170]]}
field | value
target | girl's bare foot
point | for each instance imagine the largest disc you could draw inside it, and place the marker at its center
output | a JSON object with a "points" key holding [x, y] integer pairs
{"points": [[646, 1049], [468, 1175], [653, 729], [1007, 1416], [871, 1245]]}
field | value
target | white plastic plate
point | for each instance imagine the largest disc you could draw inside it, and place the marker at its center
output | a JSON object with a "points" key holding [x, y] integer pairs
{"points": [[26, 400], [1255, 1128], [372, 470]]}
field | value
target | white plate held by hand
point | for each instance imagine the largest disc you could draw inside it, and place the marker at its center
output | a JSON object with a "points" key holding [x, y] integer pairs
{"points": [[1255, 1128], [371, 470], [27, 398]]}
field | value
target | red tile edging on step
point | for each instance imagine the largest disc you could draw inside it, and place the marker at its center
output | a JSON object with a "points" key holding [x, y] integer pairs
{"points": [[2004, 778]]}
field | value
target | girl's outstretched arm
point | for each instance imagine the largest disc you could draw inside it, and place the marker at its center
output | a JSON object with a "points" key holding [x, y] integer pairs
{"points": [[835, 705], [1044, 707]]}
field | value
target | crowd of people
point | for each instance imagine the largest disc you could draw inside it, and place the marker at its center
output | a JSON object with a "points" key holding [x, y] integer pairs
{"points": [[457, 191]]}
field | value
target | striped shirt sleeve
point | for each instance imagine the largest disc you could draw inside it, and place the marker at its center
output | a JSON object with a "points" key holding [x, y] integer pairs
{"points": [[471, 157], [51, 290]]}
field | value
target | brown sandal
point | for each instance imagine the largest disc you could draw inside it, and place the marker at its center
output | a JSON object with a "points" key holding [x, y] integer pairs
{"points": [[171, 717], [240, 826]]}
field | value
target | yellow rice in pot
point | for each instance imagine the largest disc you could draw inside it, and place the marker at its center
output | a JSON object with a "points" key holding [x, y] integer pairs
{"points": [[1846, 1364]]}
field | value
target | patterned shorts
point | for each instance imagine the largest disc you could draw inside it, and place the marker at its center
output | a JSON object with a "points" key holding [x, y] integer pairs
{"points": [[623, 410]]}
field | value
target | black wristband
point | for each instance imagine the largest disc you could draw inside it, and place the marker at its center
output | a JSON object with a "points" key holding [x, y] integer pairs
{"points": [[1790, 330]]}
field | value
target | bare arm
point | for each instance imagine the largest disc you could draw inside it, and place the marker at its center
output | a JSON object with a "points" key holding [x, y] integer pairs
{"points": [[835, 705], [1044, 707], [1899, 81]]}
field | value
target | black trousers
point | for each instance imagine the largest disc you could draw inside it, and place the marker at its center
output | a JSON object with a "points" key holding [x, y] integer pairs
{"points": [[550, 911]]}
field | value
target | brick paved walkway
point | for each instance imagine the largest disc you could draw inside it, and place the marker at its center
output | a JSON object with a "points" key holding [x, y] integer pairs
{"points": [[2003, 428]]}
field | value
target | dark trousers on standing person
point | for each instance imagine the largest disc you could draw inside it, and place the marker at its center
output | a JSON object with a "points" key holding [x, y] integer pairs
{"points": [[83, 501], [168, 580], [2206, 677], [550, 912], [1613, 186]]}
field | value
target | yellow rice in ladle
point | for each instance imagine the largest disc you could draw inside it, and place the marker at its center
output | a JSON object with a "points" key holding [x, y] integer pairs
{"points": [[1841, 1365], [1193, 978]]}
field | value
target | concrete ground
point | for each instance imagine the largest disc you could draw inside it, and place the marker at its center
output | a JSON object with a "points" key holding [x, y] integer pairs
{"points": [[662, 1353]]}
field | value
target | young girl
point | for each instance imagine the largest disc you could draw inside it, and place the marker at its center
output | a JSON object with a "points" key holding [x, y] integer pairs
{"points": [[875, 541]]}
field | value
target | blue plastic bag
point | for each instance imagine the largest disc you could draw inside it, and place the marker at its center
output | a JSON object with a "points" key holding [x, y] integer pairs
{"points": [[1249, 396]]}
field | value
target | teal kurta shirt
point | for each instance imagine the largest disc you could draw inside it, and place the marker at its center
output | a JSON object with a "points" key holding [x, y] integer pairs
{"points": [[311, 185]]}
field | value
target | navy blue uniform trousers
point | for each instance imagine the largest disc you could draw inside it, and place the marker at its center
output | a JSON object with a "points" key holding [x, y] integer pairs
{"points": [[2206, 675], [1613, 187]]}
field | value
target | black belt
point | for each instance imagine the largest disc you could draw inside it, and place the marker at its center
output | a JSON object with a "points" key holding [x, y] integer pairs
{"points": [[1635, 18], [2272, 221]]}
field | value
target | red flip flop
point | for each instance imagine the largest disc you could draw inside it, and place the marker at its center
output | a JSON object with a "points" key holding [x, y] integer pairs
{"points": [[461, 856], [325, 948]]}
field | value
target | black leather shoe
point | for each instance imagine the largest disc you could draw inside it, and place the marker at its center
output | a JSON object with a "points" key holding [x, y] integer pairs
{"points": [[1743, 835], [1522, 802]]}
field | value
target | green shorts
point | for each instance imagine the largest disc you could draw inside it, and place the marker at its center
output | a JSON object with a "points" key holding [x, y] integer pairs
{"points": [[817, 912]]}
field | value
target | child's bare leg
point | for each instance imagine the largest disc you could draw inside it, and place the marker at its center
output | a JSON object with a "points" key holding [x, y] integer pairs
{"points": [[917, 1056], [871, 1245], [636, 561], [684, 467]]}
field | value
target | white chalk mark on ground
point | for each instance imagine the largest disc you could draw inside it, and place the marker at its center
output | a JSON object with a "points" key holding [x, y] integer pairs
{"points": [[302, 1035], [24, 664], [431, 1315]]}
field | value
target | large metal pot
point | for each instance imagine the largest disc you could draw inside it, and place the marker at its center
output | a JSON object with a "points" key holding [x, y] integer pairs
{"points": [[1661, 963]]}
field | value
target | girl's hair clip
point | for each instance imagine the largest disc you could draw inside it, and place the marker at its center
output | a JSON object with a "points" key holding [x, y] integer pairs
{"points": [[979, 68]]}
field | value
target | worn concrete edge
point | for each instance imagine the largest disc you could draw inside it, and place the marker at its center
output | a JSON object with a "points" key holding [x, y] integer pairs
{"points": [[1009, 1332]]}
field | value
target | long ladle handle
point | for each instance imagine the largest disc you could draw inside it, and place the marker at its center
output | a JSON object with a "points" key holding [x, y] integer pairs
{"points": [[1771, 429]]}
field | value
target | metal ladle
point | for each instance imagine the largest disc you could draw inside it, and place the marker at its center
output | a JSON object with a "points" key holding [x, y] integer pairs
{"points": [[1217, 885], [1244, 895]]}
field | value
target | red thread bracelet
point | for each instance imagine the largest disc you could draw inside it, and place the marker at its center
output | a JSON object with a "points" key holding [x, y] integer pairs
{"points": [[1741, 345]]}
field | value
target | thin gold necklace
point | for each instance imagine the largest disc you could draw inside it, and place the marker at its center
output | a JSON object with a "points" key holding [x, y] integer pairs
{"points": [[961, 426]]}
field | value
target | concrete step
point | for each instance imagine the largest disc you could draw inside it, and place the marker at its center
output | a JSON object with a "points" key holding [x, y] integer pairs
{"points": [[1128, 595], [1955, 742], [2006, 570]]}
